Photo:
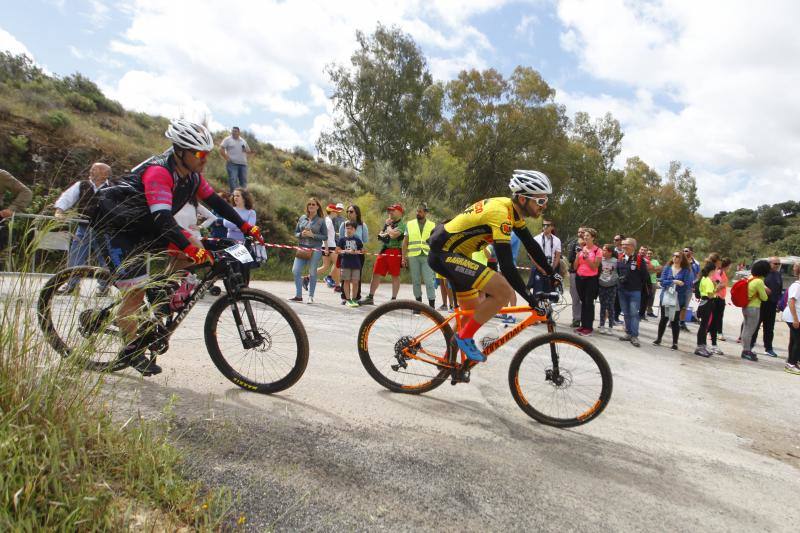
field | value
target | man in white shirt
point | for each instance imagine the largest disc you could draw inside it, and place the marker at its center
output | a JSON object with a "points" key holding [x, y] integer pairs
{"points": [[551, 245], [234, 150], [86, 243]]}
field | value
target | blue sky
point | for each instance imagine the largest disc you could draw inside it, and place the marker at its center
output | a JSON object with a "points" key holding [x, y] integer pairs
{"points": [[704, 83]]}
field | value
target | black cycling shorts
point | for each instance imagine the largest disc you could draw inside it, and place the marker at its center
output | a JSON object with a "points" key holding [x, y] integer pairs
{"points": [[465, 275], [128, 254]]}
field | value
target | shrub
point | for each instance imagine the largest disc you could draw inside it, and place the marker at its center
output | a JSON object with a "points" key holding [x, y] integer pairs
{"points": [[110, 106], [303, 165], [773, 233], [81, 103], [19, 143], [287, 164], [302, 153], [57, 120]]}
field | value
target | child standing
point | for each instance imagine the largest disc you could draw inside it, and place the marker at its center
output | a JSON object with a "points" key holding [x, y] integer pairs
{"points": [[609, 279], [705, 310], [350, 247]]}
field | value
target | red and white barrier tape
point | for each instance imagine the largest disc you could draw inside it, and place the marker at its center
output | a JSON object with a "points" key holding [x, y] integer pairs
{"points": [[295, 247]]}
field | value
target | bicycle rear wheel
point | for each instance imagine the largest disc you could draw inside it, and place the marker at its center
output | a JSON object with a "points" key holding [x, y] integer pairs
{"points": [[389, 329], [574, 394], [276, 354], [76, 309]]}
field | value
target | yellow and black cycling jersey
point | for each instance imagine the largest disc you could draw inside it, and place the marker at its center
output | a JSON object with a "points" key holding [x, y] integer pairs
{"points": [[484, 222]]}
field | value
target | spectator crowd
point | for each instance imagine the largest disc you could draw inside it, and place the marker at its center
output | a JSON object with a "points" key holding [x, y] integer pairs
{"points": [[629, 281]]}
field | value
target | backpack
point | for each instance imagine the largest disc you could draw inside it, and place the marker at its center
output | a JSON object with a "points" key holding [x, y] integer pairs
{"points": [[784, 301], [739, 296]]}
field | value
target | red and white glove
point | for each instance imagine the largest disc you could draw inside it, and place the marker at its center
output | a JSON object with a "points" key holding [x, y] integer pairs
{"points": [[198, 255], [253, 231]]}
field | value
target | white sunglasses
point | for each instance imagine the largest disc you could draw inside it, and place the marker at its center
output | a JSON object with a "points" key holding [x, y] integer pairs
{"points": [[541, 202]]}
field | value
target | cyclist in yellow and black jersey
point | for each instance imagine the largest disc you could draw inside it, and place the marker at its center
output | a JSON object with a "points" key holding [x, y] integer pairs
{"points": [[490, 221]]}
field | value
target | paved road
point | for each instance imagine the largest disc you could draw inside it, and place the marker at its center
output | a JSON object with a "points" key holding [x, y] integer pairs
{"points": [[686, 443]]}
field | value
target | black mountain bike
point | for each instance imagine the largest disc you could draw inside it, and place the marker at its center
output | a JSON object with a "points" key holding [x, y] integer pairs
{"points": [[255, 339]]}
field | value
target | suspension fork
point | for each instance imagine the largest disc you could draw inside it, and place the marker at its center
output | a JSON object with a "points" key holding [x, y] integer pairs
{"points": [[551, 328], [250, 338]]}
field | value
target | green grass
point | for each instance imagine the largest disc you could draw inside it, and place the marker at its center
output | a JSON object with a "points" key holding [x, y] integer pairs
{"points": [[67, 462]]}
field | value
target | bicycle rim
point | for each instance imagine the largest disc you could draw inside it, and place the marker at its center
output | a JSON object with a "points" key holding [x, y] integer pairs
{"points": [[394, 326], [575, 394], [280, 356], [75, 323]]}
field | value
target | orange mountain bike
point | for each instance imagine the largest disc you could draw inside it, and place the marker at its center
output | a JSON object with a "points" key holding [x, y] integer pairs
{"points": [[558, 379]]}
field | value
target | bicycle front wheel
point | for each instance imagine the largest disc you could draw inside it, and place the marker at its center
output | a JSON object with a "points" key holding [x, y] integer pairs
{"points": [[273, 354], [76, 311], [560, 380], [396, 326]]}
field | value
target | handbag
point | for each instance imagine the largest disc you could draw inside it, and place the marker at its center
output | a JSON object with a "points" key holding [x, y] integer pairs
{"points": [[670, 297], [303, 253]]}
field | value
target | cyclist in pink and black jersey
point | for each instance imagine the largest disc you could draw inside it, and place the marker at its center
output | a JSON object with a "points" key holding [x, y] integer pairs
{"points": [[138, 213]]}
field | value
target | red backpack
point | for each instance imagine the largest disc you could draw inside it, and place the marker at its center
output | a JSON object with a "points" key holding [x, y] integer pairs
{"points": [[739, 296]]}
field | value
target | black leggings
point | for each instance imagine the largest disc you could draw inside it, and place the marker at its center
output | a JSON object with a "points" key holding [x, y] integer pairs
{"points": [[718, 312], [675, 325], [705, 317], [587, 288]]}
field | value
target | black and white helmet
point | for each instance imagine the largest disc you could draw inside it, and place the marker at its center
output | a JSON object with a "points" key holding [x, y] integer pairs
{"points": [[189, 135], [525, 182]]}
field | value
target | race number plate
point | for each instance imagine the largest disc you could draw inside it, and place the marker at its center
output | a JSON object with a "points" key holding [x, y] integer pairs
{"points": [[240, 253]]}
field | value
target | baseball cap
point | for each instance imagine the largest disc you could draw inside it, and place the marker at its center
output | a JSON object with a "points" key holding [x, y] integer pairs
{"points": [[395, 207], [331, 207], [340, 207]]}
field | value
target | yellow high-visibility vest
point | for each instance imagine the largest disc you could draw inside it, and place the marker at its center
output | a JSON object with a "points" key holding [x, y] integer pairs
{"points": [[417, 243]]}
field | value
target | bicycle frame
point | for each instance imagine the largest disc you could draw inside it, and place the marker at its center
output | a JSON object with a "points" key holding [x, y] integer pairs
{"points": [[537, 316]]}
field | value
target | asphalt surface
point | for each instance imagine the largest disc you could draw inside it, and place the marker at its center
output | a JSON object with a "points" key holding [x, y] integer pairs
{"points": [[686, 443]]}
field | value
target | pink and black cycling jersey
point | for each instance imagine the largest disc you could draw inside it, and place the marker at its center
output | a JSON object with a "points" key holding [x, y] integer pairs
{"points": [[165, 191]]}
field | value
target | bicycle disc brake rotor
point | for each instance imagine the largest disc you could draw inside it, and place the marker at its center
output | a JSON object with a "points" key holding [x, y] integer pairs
{"points": [[561, 381]]}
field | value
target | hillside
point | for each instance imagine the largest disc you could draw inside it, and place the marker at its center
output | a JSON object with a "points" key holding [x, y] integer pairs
{"points": [[52, 130]]}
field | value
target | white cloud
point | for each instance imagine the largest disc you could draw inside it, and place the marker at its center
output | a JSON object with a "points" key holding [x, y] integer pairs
{"points": [[447, 68], [713, 87], [144, 91], [99, 13], [9, 43], [248, 57], [525, 27], [279, 133]]}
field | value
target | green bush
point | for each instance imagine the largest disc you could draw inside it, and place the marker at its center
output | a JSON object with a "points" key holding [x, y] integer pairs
{"points": [[19, 143], [110, 106], [57, 120], [81, 103], [302, 153], [303, 165]]}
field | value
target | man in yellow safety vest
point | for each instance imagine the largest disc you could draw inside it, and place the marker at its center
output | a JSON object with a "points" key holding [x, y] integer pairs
{"points": [[415, 254]]}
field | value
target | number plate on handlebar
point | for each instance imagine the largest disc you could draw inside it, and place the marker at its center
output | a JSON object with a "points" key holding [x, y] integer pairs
{"points": [[240, 253]]}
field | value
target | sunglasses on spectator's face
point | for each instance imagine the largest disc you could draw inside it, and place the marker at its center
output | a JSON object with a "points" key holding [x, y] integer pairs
{"points": [[676, 255], [774, 264], [201, 155], [687, 251], [351, 210]]}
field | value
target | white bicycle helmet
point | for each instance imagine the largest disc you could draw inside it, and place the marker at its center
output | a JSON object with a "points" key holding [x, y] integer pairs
{"points": [[525, 182], [189, 135]]}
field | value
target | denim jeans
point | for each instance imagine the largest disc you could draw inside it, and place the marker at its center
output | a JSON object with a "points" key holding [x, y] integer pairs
{"points": [[629, 302], [87, 243], [539, 282], [237, 175], [297, 270]]}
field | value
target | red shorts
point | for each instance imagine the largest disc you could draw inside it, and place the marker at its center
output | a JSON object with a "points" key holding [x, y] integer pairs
{"points": [[388, 262]]}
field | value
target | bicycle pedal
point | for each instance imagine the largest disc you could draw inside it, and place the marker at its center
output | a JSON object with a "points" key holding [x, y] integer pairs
{"points": [[459, 376]]}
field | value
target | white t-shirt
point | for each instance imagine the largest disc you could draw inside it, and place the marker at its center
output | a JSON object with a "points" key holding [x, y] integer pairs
{"points": [[331, 243], [550, 245], [236, 148], [794, 292]]}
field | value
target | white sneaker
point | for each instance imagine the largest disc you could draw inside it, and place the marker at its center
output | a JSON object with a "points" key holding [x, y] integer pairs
{"points": [[310, 300]]}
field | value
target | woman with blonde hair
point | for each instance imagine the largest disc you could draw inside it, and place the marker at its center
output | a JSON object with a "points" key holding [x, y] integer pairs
{"points": [[311, 232]]}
